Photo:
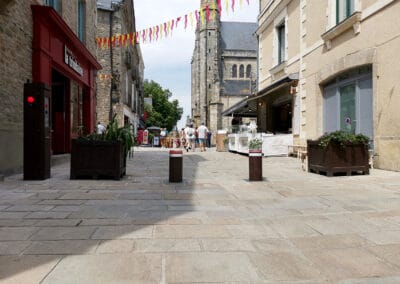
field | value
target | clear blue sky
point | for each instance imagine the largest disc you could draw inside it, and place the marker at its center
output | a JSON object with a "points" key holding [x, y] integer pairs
{"points": [[167, 61]]}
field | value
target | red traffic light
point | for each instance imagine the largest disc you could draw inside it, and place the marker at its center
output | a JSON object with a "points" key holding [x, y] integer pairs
{"points": [[30, 99]]}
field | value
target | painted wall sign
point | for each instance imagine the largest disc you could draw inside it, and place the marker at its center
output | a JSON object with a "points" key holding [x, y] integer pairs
{"points": [[71, 61]]}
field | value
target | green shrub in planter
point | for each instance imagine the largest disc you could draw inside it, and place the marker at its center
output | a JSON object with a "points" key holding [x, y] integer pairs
{"points": [[342, 138], [255, 144], [113, 133], [338, 152], [101, 155]]}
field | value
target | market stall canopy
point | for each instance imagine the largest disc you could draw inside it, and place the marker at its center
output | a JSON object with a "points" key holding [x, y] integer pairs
{"points": [[289, 80], [244, 108], [154, 128], [248, 106]]}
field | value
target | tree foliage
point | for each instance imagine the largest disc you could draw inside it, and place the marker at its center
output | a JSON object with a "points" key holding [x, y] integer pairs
{"points": [[163, 113]]}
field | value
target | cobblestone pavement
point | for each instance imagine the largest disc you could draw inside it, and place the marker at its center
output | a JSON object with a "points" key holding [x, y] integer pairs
{"points": [[215, 226]]}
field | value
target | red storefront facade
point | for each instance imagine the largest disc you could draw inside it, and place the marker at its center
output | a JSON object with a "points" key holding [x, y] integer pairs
{"points": [[62, 61]]}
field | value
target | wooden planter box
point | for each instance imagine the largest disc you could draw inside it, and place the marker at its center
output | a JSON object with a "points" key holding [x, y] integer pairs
{"points": [[336, 159], [97, 159]]}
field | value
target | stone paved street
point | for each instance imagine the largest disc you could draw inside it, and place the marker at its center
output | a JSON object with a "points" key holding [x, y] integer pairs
{"points": [[293, 227]]}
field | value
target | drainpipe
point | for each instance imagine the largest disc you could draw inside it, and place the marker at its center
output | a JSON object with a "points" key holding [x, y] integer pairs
{"points": [[207, 120], [110, 114]]}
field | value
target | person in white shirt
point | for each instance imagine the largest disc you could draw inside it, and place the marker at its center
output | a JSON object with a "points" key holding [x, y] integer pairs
{"points": [[100, 128], [202, 131], [190, 137]]}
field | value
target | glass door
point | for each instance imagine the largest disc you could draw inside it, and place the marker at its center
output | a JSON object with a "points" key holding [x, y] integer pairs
{"points": [[348, 108]]}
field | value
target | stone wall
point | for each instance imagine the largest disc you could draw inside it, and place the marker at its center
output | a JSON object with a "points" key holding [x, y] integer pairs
{"points": [[127, 69], [372, 39], [16, 69], [103, 56], [16, 35]]}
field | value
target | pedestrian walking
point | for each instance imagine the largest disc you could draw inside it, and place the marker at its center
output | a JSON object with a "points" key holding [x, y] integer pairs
{"points": [[202, 131], [209, 139], [183, 138], [163, 137], [190, 137]]}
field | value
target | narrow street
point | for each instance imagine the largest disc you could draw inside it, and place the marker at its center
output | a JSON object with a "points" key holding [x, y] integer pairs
{"points": [[215, 226]]}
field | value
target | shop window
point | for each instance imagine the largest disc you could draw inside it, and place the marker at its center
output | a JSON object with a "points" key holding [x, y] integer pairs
{"points": [[241, 71], [234, 71], [344, 8], [81, 20], [56, 4], [348, 103], [248, 71]]}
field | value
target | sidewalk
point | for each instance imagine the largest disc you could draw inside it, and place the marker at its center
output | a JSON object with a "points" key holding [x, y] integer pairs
{"points": [[214, 227]]}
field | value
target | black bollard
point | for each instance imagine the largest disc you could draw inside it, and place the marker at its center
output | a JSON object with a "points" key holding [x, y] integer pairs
{"points": [[175, 165], [255, 165]]}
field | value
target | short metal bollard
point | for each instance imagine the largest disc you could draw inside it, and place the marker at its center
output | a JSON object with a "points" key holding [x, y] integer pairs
{"points": [[175, 165], [255, 165]]}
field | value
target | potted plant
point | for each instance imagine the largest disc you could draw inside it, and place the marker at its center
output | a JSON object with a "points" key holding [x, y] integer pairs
{"points": [[255, 144], [101, 155], [225, 142], [338, 152], [255, 159]]}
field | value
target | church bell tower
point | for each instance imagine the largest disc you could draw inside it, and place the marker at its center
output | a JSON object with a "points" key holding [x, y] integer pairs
{"points": [[206, 105]]}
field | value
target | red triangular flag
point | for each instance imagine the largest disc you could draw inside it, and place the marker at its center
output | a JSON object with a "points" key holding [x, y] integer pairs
{"points": [[150, 34], [197, 16], [186, 20]]}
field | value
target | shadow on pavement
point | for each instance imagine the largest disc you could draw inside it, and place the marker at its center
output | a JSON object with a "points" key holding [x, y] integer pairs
{"points": [[44, 222]]}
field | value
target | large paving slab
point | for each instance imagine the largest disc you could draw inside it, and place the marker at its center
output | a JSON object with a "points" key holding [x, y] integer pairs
{"points": [[111, 268], [214, 227], [210, 267]]}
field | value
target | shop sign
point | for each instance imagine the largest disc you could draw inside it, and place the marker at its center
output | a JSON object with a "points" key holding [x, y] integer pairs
{"points": [[71, 61]]}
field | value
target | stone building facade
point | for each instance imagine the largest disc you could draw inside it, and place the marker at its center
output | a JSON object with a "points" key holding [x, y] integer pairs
{"points": [[336, 64], [223, 68], [16, 61], [122, 94]]}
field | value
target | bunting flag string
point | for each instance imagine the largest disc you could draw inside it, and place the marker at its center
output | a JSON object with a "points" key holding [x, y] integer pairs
{"points": [[197, 16], [191, 20], [202, 17], [214, 8], [165, 29], [207, 13]]}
